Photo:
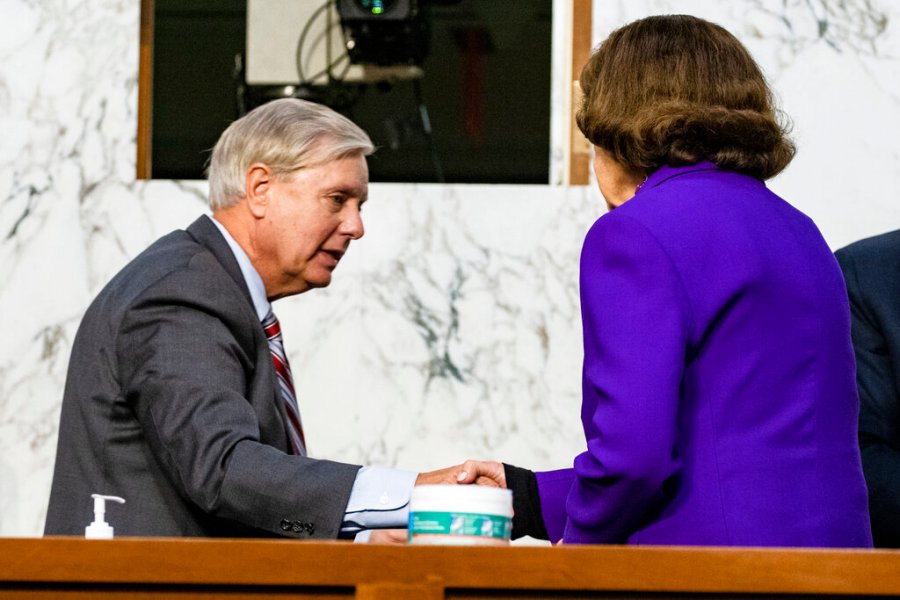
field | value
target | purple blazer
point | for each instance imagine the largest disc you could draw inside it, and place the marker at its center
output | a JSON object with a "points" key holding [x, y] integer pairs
{"points": [[719, 394]]}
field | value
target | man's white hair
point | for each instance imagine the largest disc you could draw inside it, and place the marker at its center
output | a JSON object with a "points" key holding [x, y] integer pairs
{"points": [[287, 135]]}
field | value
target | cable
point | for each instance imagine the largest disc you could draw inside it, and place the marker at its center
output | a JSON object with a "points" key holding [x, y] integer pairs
{"points": [[240, 84], [327, 70], [328, 45], [330, 64], [299, 55], [426, 128]]}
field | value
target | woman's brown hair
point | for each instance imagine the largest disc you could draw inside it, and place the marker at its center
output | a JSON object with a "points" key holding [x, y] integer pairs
{"points": [[677, 90]]}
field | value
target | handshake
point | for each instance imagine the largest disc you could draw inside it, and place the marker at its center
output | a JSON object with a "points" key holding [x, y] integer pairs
{"points": [[478, 472]]}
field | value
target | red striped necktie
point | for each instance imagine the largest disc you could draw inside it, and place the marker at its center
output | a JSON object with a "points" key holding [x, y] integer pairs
{"points": [[285, 384]]}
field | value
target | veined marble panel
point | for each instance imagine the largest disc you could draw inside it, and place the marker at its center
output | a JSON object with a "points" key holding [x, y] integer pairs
{"points": [[452, 328]]}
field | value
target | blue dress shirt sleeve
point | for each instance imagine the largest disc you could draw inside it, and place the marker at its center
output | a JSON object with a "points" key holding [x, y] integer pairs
{"points": [[379, 500]]}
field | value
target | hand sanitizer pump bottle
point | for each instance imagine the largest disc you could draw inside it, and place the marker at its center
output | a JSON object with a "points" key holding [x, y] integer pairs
{"points": [[100, 529]]}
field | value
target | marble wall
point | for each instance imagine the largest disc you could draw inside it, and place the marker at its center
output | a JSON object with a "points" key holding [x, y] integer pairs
{"points": [[452, 329]]}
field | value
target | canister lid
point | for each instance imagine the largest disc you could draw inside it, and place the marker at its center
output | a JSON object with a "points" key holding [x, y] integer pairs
{"points": [[462, 498]]}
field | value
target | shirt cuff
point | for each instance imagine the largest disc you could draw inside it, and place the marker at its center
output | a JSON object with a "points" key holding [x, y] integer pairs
{"points": [[363, 536], [379, 499]]}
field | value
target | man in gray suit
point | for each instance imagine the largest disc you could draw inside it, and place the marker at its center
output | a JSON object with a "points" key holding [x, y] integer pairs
{"points": [[179, 400]]}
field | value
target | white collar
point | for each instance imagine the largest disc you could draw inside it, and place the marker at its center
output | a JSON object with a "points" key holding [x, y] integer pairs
{"points": [[251, 277]]}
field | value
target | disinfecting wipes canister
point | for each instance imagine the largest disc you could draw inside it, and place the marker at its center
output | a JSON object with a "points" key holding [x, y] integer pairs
{"points": [[460, 514]]}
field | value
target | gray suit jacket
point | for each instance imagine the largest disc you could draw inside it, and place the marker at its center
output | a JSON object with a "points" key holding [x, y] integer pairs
{"points": [[170, 402]]}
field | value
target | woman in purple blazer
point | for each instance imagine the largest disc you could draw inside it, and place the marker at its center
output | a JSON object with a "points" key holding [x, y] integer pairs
{"points": [[719, 402]]}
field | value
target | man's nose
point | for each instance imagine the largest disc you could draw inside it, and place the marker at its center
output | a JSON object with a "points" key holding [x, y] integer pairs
{"points": [[352, 225]]}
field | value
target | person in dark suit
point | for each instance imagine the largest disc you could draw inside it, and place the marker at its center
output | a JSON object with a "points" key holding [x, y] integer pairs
{"points": [[872, 271], [719, 404], [179, 397]]}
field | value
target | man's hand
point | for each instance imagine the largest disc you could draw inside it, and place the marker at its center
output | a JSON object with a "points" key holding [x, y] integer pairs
{"points": [[480, 472], [388, 536]]}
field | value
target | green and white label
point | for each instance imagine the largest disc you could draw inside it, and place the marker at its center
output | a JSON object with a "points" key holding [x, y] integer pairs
{"points": [[452, 523]]}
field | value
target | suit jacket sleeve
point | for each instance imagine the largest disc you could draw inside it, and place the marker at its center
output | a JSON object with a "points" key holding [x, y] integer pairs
{"points": [[879, 416], [636, 321], [189, 371]]}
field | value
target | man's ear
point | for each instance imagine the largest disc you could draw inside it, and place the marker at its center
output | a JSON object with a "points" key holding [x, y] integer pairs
{"points": [[258, 188]]}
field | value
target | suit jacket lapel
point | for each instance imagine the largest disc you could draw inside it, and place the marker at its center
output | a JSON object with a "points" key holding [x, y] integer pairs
{"points": [[206, 233]]}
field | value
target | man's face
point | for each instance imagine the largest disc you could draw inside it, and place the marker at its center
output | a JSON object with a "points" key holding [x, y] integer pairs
{"points": [[311, 217]]}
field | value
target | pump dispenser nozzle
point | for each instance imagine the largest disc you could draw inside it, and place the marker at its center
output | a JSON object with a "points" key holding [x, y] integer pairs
{"points": [[100, 529]]}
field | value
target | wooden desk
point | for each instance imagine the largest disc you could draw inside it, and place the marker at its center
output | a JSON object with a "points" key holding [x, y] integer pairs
{"points": [[215, 568]]}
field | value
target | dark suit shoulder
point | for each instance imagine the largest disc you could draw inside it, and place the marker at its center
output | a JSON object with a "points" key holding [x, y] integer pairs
{"points": [[176, 271], [187, 274], [178, 261], [167, 254], [880, 250], [872, 267]]}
